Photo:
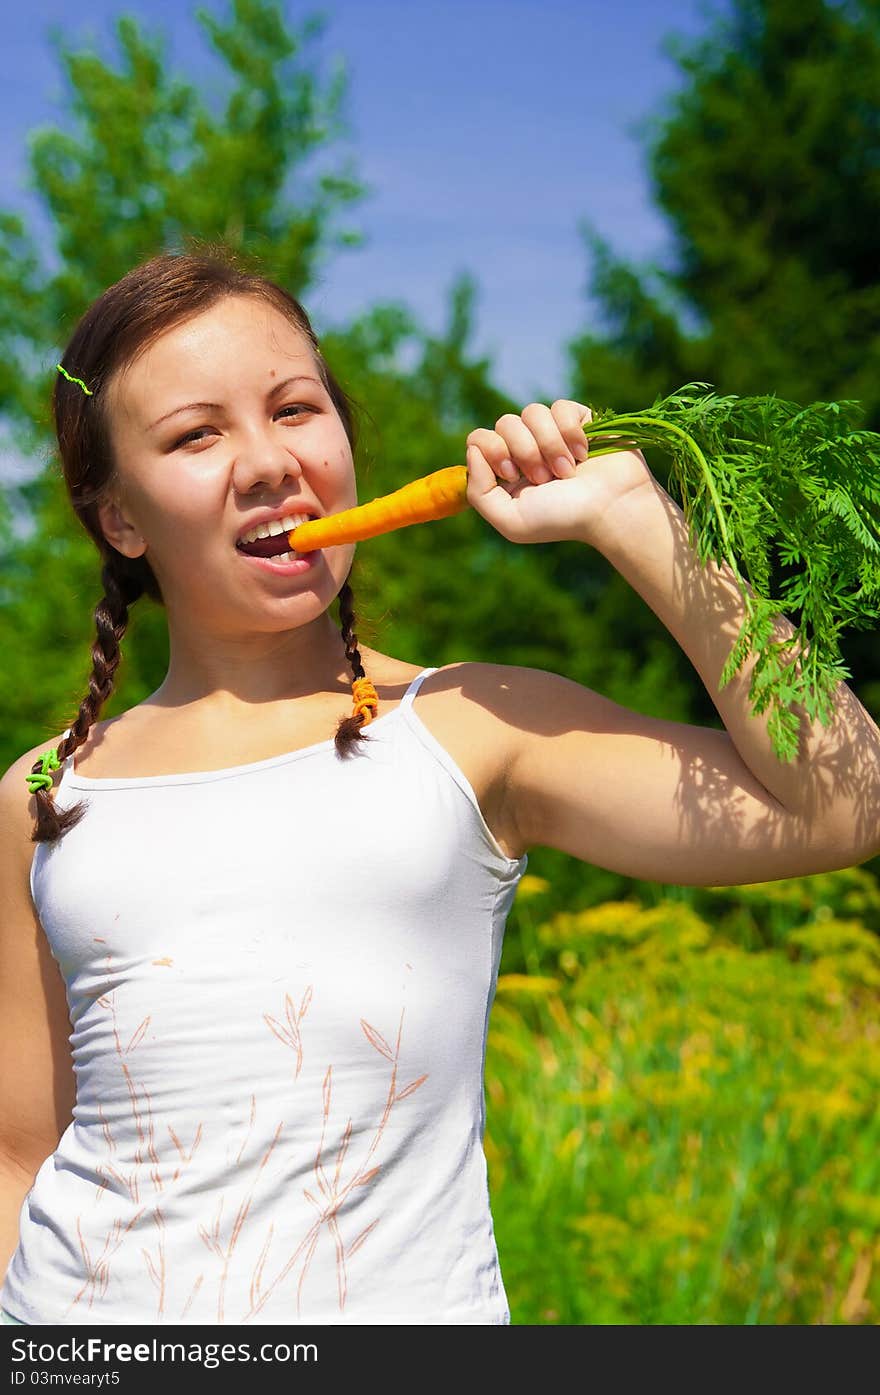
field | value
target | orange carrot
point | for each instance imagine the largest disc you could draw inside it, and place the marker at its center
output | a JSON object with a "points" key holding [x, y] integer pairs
{"points": [[438, 495]]}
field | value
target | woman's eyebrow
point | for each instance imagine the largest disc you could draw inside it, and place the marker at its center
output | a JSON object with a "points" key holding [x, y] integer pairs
{"points": [[218, 406]]}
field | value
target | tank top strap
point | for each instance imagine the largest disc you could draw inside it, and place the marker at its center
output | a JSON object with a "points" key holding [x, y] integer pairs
{"points": [[406, 700]]}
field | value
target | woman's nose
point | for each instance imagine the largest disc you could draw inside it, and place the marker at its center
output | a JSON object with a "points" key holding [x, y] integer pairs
{"points": [[264, 464]]}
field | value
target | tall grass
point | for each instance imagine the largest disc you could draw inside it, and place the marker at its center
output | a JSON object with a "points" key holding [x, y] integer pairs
{"points": [[682, 1111]]}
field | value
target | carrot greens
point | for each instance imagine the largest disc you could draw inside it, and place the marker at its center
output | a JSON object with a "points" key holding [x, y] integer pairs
{"points": [[767, 481]]}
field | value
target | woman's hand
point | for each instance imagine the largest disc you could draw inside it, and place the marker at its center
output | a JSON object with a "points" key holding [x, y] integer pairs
{"points": [[545, 501]]}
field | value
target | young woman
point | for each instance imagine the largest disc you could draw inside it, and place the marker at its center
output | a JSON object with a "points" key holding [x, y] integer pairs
{"points": [[247, 970]]}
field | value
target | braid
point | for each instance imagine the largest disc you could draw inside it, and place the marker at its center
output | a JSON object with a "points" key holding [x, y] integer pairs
{"points": [[111, 621], [350, 729]]}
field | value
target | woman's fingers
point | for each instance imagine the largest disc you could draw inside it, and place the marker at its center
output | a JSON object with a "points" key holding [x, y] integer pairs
{"points": [[542, 443], [480, 473], [493, 451], [571, 418], [523, 438]]}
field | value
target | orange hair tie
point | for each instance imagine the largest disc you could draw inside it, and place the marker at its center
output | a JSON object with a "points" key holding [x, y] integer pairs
{"points": [[365, 699]]}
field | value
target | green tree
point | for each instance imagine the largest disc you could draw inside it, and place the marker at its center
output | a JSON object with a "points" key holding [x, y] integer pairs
{"points": [[765, 165], [768, 169]]}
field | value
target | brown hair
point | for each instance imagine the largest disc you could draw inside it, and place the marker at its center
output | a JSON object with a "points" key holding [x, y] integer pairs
{"points": [[153, 297]]}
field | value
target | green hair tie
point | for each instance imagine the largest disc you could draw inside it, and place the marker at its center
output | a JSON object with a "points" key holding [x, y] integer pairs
{"points": [[37, 781], [74, 380]]}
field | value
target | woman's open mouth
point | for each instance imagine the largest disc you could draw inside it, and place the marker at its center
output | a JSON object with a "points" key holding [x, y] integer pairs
{"points": [[283, 564], [273, 552]]}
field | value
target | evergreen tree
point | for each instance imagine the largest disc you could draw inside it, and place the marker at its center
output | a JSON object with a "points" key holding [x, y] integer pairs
{"points": [[766, 164]]}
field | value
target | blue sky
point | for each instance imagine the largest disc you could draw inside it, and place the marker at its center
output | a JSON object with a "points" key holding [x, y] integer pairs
{"points": [[486, 129]]}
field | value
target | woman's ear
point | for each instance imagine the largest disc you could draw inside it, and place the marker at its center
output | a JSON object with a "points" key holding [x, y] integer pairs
{"points": [[118, 531]]}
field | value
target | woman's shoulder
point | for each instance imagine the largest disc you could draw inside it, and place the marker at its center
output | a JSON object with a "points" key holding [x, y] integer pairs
{"points": [[467, 701], [18, 806], [476, 691], [467, 707], [14, 792], [464, 687]]}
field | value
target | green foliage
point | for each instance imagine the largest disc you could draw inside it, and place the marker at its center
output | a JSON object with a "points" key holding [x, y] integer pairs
{"points": [[151, 164], [682, 1125], [763, 164], [758, 475]]}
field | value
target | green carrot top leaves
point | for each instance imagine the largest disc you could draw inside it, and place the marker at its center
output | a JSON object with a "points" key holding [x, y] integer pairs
{"points": [[756, 476]]}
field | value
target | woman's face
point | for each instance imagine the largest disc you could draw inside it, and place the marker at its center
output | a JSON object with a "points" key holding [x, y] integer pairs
{"points": [[192, 478]]}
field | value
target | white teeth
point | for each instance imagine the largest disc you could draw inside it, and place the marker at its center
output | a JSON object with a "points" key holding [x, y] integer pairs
{"points": [[277, 525]]}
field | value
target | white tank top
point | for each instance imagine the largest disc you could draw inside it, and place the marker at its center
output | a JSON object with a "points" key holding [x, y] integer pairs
{"points": [[279, 978]]}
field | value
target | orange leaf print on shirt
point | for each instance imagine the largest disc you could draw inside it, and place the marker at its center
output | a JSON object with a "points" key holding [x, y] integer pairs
{"points": [[196, 1286], [334, 1195], [290, 1035], [377, 1040], [98, 1271], [146, 1154], [223, 1249]]}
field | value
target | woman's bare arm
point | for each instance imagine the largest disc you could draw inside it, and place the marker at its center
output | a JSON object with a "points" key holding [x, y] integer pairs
{"points": [[37, 1084]]}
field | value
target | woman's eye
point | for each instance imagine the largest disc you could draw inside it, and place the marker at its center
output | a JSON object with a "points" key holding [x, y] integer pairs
{"points": [[191, 436], [195, 435]]}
